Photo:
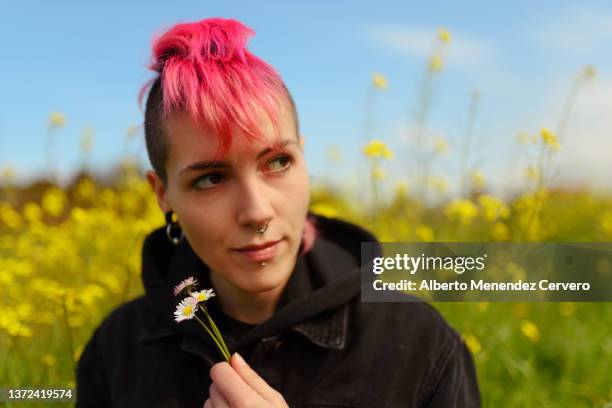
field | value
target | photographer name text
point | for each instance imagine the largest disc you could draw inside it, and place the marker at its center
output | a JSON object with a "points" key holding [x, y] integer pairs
{"points": [[480, 285]]}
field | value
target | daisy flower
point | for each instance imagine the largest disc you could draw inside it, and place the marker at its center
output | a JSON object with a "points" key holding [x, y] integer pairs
{"points": [[185, 285], [203, 295], [186, 309]]}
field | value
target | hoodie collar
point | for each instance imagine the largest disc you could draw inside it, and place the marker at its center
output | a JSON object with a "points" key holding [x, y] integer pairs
{"points": [[314, 303]]}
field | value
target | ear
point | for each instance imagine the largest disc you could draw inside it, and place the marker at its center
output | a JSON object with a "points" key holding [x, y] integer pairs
{"points": [[159, 188]]}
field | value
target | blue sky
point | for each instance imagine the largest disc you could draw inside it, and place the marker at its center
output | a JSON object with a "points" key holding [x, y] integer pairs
{"points": [[87, 60]]}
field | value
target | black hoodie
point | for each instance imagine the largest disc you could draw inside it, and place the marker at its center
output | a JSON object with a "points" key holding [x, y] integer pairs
{"points": [[323, 347]]}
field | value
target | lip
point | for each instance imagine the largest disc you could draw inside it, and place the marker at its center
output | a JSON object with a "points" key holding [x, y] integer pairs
{"points": [[260, 253]]}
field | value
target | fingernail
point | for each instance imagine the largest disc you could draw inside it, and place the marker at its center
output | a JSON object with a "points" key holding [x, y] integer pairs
{"points": [[239, 359]]}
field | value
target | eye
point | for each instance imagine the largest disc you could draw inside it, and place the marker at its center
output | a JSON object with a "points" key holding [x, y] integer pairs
{"points": [[208, 180], [280, 163]]}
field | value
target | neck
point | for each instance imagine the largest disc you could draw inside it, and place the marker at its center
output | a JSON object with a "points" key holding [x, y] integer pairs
{"points": [[252, 308]]}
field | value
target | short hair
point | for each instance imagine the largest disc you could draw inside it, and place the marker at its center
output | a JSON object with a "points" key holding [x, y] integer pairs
{"points": [[205, 69]]}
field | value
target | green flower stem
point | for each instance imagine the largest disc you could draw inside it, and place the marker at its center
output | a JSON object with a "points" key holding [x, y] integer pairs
{"points": [[215, 329], [221, 348], [65, 316]]}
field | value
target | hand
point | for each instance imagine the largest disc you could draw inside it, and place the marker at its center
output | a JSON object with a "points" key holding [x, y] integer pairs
{"points": [[238, 385]]}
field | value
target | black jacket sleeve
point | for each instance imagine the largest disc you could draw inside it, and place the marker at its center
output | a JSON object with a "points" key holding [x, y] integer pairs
{"points": [[92, 388], [458, 385]]}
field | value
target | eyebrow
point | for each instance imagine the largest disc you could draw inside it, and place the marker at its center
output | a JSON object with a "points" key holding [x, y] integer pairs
{"points": [[215, 164]]}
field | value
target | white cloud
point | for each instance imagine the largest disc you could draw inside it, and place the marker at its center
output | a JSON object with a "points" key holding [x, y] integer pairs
{"points": [[580, 31], [587, 151], [418, 43], [585, 157]]}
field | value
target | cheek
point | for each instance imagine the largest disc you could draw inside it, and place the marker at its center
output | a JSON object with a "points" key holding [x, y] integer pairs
{"points": [[203, 222], [296, 196]]}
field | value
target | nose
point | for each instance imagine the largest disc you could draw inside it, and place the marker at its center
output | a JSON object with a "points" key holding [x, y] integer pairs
{"points": [[254, 205]]}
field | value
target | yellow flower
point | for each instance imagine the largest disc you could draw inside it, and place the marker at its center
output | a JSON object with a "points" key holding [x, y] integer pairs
{"points": [[54, 201], [130, 132], [444, 35], [532, 173], [435, 63], [424, 233], [10, 322], [523, 138], [472, 344], [567, 309], [108, 198], [203, 295], [91, 294], [478, 180], [493, 207], [85, 190], [8, 173], [518, 273], [111, 281], [590, 72], [49, 360], [10, 217], [500, 232], [32, 212], [401, 189], [606, 222], [57, 119], [438, 183], [130, 201], [549, 139], [186, 309], [530, 330], [461, 209], [324, 209], [6, 278], [379, 81], [441, 145], [377, 149], [378, 173]]}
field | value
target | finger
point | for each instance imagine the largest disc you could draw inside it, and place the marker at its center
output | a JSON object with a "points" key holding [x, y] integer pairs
{"points": [[237, 392], [253, 379], [218, 400]]}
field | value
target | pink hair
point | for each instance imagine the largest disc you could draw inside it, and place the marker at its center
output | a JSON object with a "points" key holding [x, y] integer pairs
{"points": [[207, 71], [309, 235]]}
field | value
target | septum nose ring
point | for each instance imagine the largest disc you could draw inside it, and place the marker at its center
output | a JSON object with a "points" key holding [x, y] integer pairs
{"points": [[261, 230]]}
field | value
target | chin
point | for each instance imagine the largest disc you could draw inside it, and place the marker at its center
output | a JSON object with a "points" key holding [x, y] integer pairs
{"points": [[264, 280]]}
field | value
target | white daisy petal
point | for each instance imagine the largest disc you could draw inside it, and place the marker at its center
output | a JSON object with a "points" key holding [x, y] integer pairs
{"points": [[186, 309], [203, 295], [190, 282]]}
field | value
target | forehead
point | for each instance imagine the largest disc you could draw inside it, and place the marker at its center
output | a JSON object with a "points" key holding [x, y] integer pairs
{"points": [[189, 140]]}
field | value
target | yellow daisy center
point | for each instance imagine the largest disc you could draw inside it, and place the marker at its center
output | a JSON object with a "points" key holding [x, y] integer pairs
{"points": [[187, 310]]}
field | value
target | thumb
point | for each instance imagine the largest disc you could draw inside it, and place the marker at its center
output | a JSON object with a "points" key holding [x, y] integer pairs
{"points": [[253, 379]]}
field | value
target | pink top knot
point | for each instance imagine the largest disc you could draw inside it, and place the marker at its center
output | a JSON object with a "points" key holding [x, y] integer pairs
{"points": [[213, 39]]}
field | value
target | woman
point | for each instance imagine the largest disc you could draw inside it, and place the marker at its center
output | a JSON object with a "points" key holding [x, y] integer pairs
{"points": [[229, 173]]}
